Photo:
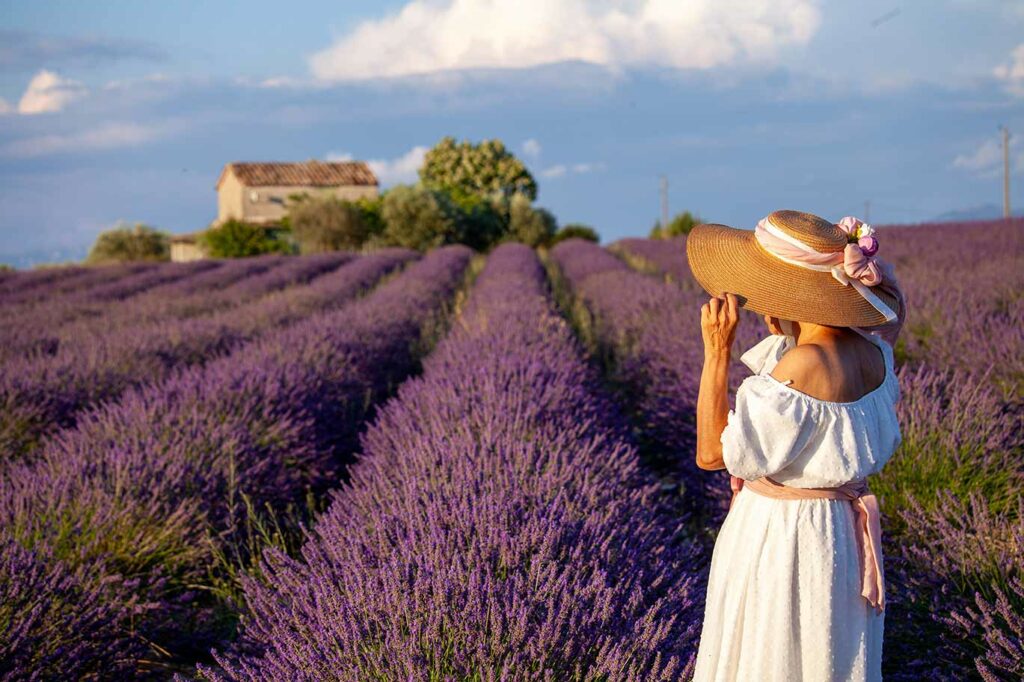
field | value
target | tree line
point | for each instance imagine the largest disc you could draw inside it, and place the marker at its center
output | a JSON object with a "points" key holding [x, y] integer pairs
{"points": [[478, 194]]}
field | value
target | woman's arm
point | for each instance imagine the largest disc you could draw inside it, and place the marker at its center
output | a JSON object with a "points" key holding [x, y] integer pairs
{"points": [[718, 320]]}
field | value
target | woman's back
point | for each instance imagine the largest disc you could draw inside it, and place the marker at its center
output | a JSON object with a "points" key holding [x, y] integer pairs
{"points": [[805, 441], [843, 371]]}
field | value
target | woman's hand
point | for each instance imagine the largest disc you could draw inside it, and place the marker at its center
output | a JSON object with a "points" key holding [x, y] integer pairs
{"points": [[718, 319]]}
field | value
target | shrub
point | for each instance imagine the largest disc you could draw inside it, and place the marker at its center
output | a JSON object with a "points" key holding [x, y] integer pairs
{"points": [[328, 224], [483, 221], [678, 226], [576, 231], [154, 483], [370, 209], [419, 218], [124, 243], [529, 225], [58, 625], [236, 239]]}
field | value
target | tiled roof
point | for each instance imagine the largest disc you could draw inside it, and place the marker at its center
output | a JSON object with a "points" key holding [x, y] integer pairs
{"points": [[307, 174]]}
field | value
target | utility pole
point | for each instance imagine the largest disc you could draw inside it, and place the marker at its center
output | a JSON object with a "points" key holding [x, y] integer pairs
{"points": [[867, 211], [1006, 172], [664, 201]]}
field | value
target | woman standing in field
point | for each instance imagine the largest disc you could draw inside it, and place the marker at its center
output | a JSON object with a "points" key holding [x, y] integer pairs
{"points": [[796, 587]]}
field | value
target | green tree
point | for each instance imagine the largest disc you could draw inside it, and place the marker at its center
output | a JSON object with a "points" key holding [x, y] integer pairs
{"points": [[419, 218], [370, 208], [327, 224], [122, 244], [465, 169], [483, 221], [677, 227], [237, 239], [576, 231], [529, 225]]}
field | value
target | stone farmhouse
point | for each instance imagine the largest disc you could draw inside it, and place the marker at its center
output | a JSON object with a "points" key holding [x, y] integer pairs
{"points": [[257, 192]]}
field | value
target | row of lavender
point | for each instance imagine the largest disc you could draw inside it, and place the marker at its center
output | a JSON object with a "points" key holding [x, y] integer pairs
{"points": [[497, 526], [115, 536], [40, 392], [43, 324], [110, 282], [951, 496]]}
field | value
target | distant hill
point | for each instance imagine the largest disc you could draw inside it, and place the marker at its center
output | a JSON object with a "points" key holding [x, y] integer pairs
{"points": [[985, 212]]}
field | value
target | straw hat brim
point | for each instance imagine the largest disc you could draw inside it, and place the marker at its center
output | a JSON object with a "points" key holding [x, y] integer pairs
{"points": [[725, 259]]}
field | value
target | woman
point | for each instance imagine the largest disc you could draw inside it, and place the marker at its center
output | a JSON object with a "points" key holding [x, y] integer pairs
{"points": [[796, 586]]}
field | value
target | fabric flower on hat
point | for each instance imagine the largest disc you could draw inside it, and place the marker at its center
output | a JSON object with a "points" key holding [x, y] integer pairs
{"points": [[859, 266], [869, 245], [855, 228], [860, 233]]}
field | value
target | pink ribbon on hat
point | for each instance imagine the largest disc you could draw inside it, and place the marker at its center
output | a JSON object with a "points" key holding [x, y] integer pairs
{"points": [[855, 265]]}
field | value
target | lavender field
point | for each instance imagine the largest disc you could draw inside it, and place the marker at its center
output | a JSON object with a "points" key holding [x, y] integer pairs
{"points": [[451, 466]]}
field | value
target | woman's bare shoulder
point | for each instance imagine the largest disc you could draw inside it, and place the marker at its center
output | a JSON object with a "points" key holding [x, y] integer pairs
{"points": [[801, 362], [824, 374]]}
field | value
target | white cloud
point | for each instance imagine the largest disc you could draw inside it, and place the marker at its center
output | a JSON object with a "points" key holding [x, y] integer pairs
{"points": [[531, 148], [281, 82], [1013, 71], [403, 169], [561, 170], [5, 107], [48, 92], [987, 159], [430, 36], [109, 136]]}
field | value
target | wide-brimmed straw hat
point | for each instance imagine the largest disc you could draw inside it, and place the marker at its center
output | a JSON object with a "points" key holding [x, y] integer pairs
{"points": [[796, 266]]}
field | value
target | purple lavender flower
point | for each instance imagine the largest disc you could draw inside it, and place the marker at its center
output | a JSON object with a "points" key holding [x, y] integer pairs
{"points": [[496, 525], [41, 393], [60, 624], [153, 484]]}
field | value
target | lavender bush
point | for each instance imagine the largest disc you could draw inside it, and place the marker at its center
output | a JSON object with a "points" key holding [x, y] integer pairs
{"points": [[48, 283], [496, 527], [154, 486], [966, 309], [1001, 621], [647, 333], [45, 329], [39, 393], [659, 256], [56, 625], [142, 280]]}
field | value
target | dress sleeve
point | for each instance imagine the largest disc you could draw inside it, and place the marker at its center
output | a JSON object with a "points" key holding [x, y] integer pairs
{"points": [[770, 426]]}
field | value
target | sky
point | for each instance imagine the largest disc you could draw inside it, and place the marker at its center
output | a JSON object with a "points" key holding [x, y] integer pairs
{"points": [[121, 111]]}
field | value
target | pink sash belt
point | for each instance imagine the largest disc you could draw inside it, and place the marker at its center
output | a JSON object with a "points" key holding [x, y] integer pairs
{"points": [[869, 527]]}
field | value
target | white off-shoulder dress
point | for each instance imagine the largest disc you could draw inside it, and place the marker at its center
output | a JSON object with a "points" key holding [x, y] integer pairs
{"points": [[784, 591]]}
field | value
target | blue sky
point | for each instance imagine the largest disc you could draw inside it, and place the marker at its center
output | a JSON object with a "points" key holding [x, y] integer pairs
{"points": [[126, 111]]}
